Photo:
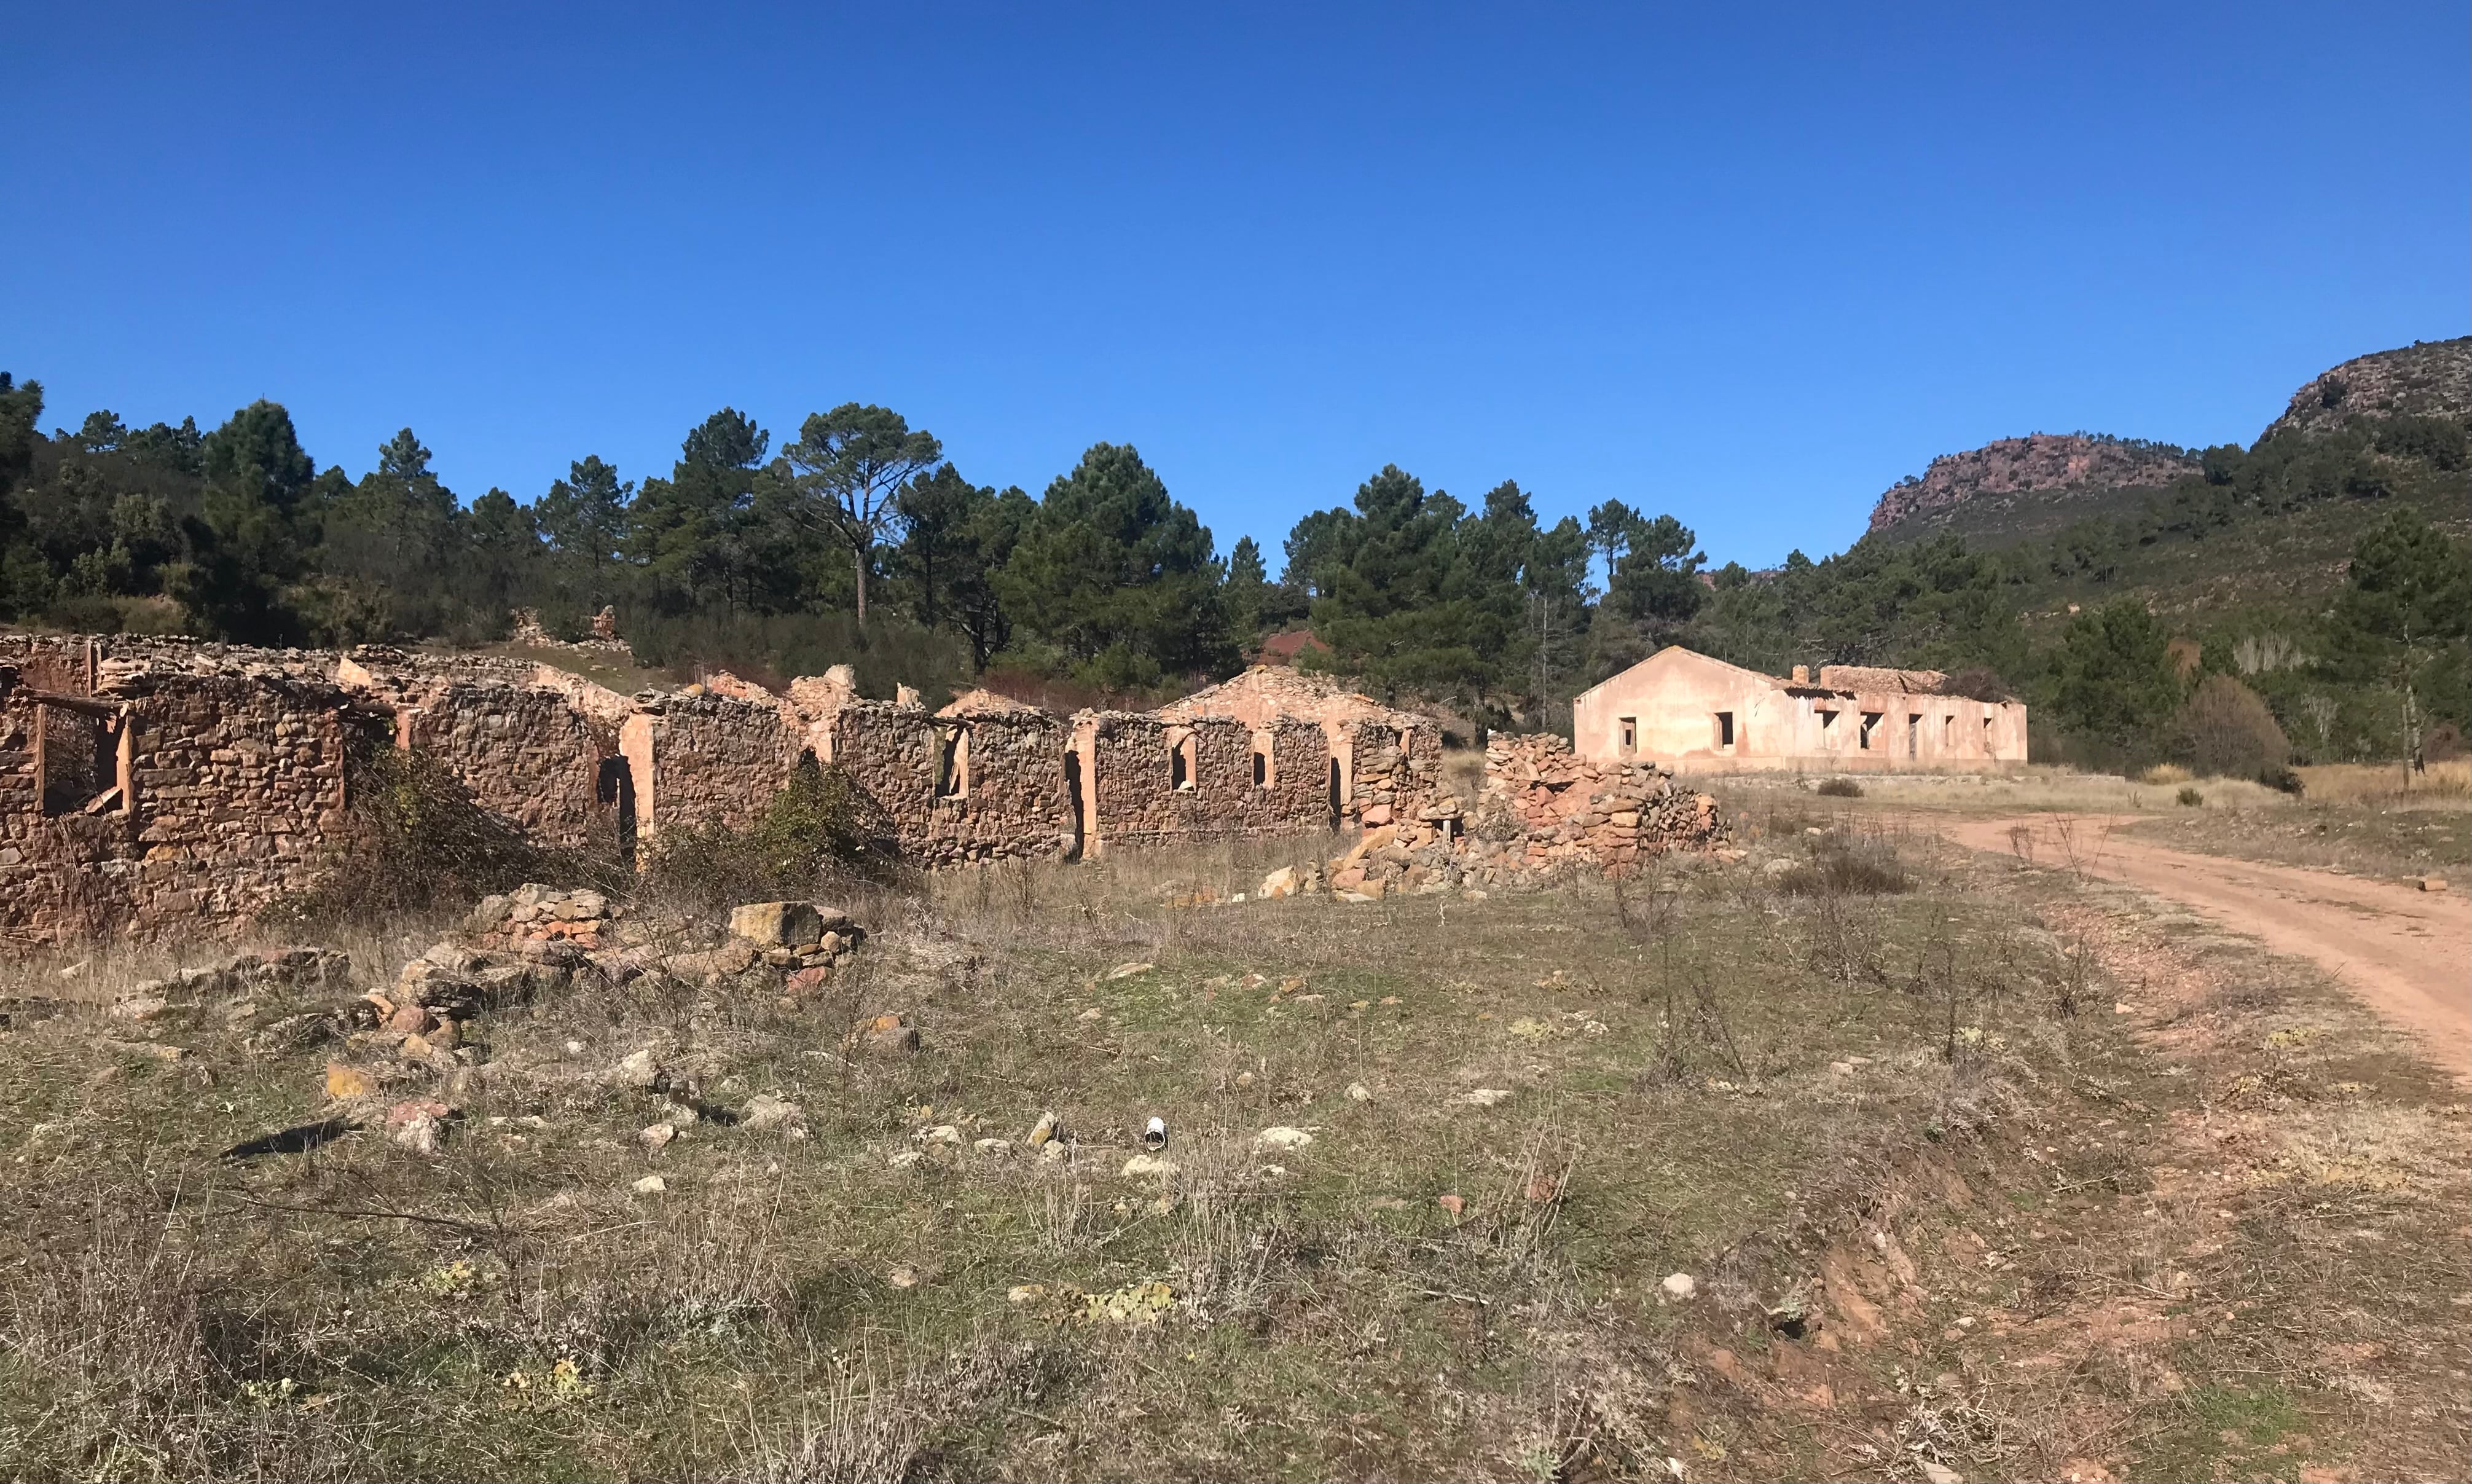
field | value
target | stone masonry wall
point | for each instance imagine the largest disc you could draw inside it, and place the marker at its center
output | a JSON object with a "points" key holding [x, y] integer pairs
{"points": [[1299, 785], [1392, 781], [716, 760], [1550, 807], [234, 783], [1011, 801], [523, 752], [193, 784]]}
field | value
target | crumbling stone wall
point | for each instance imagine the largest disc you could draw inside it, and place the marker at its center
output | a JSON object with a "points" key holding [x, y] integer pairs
{"points": [[1299, 790], [1396, 770], [1006, 796], [1543, 807], [524, 753], [223, 790], [191, 784], [714, 759]]}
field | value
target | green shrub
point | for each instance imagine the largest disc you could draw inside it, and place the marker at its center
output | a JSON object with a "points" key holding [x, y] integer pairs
{"points": [[821, 830], [416, 841], [2190, 797], [1839, 788]]}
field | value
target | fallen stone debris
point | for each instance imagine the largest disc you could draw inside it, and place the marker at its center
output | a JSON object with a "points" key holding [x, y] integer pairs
{"points": [[406, 1053]]}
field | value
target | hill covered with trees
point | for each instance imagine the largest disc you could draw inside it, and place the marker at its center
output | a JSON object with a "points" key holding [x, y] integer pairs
{"points": [[2310, 570]]}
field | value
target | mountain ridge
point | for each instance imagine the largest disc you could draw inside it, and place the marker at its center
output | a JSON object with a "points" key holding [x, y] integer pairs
{"points": [[2427, 378]]}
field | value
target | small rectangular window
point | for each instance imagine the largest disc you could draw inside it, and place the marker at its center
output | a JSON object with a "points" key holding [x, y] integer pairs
{"points": [[1827, 719], [1914, 734], [1261, 769], [1630, 733], [80, 757], [1948, 731], [1724, 729], [1180, 759], [1870, 723]]}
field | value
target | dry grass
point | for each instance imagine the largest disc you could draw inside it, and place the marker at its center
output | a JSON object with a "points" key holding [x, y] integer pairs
{"points": [[1703, 1074], [2445, 783]]}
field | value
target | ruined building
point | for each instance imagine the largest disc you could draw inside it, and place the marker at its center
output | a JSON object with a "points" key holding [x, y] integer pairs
{"points": [[153, 786], [1702, 715]]}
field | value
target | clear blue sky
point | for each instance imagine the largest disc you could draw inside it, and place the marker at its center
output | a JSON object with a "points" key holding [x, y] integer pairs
{"points": [[1748, 267]]}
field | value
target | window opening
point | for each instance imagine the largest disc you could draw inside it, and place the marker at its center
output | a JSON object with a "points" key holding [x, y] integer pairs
{"points": [[1335, 800], [614, 786], [1870, 720], [1914, 734], [1261, 769], [1724, 729], [1179, 763], [81, 757], [1630, 733], [1948, 731], [953, 764]]}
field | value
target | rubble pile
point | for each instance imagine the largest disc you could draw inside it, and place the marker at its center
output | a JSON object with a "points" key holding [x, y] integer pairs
{"points": [[535, 913], [1542, 811], [1547, 808]]}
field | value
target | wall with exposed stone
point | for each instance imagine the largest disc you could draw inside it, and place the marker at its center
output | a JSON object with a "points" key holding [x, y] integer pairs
{"points": [[155, 785], [714, 759], [212, 798]]}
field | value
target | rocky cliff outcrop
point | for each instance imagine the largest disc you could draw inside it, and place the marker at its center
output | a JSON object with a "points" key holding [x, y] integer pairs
{"points": [[2039, 461], [2432, 379]]}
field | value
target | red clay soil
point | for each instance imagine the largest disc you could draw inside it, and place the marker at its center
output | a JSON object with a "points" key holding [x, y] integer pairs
{"points": [[2406, 953]]}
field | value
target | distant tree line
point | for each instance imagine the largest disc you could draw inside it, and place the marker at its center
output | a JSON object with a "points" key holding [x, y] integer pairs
{"points": [[860, 540]]}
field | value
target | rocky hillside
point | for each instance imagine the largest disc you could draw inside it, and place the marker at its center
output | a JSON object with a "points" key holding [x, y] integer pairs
{"points": [[2431, 378], [2023, 465]]}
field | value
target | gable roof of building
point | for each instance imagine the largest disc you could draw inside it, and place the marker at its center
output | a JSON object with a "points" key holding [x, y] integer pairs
{"points": [[1674, 655]]}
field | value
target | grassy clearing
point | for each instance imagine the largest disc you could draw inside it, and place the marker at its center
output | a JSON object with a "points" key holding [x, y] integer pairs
{"points": [[2356, 839], [1524, 1112]]}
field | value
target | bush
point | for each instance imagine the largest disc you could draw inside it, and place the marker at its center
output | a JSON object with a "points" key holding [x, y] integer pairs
{"points": [[2224, 731], [2283, 780], [2165, 773], [820, 831], [2190, 797], [1842, 867], [416, 841], [1839, 788]]}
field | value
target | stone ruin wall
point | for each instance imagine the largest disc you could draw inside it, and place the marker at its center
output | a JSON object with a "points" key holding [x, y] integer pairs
{"points": [[1394, 778], [211, 798], [237, 762], [716, 760], [525, 755], [1300, 768], [1011, 801]]}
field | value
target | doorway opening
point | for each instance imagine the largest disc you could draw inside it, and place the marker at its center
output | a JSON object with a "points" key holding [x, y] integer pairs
{"points": [[614, 788], [1072, 805]]}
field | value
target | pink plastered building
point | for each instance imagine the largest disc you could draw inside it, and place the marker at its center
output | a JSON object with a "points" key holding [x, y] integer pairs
{"points": [[1696, 714]]}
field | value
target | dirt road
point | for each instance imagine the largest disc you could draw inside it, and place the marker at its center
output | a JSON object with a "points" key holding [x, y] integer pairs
{"points": [[2404, 953]]}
